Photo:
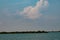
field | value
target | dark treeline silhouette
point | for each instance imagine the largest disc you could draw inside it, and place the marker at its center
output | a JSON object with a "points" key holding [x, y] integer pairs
{"points": [[17, 32]]}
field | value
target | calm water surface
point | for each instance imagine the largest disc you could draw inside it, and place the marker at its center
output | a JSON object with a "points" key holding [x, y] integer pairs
{"points": [[31, 36]]}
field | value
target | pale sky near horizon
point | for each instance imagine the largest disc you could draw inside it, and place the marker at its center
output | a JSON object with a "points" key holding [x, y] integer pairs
{"points": [[25, 15]]}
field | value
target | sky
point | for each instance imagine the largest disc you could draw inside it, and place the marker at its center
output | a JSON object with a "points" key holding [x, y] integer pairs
{"points": [[29, 15]]}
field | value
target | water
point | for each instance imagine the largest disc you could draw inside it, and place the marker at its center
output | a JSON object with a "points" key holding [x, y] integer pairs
{"points": [[31, 36]]}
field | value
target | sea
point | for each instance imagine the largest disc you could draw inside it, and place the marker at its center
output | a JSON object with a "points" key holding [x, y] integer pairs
{"points": [[31, 36]]}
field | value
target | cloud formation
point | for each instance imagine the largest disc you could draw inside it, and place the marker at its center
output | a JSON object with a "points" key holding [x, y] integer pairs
{"points": [[34, 12]]}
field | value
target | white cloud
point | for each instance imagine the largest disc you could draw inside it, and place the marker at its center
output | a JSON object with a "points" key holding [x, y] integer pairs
{"points": [[34, 12]]}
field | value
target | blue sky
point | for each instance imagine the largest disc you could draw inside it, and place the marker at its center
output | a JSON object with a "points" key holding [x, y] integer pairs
{"points": [[25, 15]]}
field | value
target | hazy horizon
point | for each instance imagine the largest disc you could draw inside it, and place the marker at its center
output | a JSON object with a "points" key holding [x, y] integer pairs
{"points": [[27, 15]]}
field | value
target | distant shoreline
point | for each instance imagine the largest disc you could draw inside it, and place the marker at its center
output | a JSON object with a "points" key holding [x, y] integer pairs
{"points": [[23, 32], [27, 32]]}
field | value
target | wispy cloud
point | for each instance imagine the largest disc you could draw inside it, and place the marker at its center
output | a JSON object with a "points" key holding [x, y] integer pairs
{"points": [[34, 12]]}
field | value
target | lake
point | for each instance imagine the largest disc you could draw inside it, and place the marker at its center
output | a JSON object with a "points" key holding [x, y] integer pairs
{"points": [[31, 36]]}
